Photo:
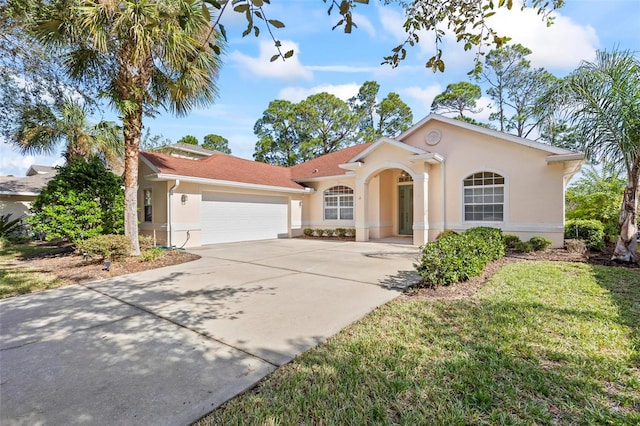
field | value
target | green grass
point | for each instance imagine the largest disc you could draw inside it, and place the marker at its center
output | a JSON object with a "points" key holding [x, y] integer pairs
{"points": [[19, 280], [542, 343]]}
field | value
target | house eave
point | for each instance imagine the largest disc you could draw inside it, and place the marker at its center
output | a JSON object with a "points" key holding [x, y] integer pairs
{"points": [[430, 157], [574, 156], [385, 141], [325, 178], [20, 194], [231, 184]]}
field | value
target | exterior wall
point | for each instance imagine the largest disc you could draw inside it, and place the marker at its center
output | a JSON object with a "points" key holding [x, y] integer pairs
{"points": [[157, 228], [16, 205], [313, 205], [534, 190]]}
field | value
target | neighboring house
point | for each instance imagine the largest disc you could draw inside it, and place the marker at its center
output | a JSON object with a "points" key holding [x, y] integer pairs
{"points": [[185, 150], [440, 174], [17, 193]]}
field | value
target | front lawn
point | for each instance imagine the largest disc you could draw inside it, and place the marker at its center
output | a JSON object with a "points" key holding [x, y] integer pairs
{"points": [[541, 343]]}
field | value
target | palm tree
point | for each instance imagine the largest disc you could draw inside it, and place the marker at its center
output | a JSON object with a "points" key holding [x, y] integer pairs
{"points": [[602, 100], [142, 55], [41, 129]]}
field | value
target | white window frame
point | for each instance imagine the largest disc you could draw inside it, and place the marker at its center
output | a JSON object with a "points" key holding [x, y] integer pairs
{"points": [[342, 199], [481, 175], [145, 205]]}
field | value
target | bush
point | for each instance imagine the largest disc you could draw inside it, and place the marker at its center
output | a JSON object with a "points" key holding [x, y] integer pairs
{"points": [[10, 227], [446, 233], [523, 247], [319, 232], [351, 232], [83, 200], [308, 232], [540, 243], [341, 232], [328, 232], [151, 254], [145, 241], [458, 257], [105, 247], [510, 241], [575, 246], [590, 231]]}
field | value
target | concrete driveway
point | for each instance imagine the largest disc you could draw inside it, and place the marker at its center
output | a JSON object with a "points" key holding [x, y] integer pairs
{"points": [[168, 346]]}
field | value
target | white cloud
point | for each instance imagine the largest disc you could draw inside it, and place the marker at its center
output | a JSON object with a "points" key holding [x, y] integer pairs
{"points": [[561, 46], [342, 68], [15, 164], [423, 95], [364, 23], [297, 94], [392, 21], [291, 69]]}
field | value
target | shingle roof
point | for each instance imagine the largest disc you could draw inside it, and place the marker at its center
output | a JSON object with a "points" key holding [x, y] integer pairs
{"points": [[223, 167], [326, 165], [30, 185]]}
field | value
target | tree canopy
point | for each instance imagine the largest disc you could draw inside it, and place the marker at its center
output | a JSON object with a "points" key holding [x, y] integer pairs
{"points": [[188, 139], [458, 98], [216, 143]]}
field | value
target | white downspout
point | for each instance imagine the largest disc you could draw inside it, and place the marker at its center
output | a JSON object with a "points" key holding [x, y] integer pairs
{"points": [[170, 214], [444, 194]]}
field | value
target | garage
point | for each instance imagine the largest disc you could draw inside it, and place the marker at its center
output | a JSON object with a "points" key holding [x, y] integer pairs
{"points": [[228, 218]]}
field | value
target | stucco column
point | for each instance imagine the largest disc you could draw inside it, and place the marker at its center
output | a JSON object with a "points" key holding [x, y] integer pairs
{"points": [[361, 195], [421, 206]]}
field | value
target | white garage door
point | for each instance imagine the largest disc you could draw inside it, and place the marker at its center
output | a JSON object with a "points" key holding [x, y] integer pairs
{"points": [[230, 217]]}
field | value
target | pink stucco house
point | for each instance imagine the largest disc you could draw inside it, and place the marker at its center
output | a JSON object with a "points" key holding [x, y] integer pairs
{"points": [[440, 174]]}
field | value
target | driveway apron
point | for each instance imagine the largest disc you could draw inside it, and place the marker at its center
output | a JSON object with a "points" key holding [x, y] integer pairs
{"points": [[167, 346]]}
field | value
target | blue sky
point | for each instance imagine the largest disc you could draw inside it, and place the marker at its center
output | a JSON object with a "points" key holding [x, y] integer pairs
{"points": [[339, 63]]}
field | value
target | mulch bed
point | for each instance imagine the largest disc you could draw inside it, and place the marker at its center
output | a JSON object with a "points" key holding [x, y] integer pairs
{"points": [[469, 288]]}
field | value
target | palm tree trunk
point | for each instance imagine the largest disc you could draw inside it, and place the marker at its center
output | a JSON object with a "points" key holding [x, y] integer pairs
{"points": [[132, 126], [627, 246]]}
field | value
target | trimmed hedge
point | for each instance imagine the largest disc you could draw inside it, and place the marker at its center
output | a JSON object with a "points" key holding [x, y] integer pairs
{"points": [[105, 247], [510, 241], [540, 243], [590, 231], [458, 257], [446, 233]]}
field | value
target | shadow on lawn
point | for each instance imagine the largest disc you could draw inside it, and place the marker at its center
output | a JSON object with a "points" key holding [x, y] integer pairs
{"points": [[624, 286]]}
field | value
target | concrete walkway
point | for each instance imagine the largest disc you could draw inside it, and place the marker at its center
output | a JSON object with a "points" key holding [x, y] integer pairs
{"points": [[167, 346]]}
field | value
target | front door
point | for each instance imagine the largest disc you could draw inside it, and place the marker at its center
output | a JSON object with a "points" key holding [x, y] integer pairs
{"points": [[405, 209]]}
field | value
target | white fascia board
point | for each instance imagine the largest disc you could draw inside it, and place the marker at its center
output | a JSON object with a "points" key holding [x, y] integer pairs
{"points": [[430, 157], [227, 183], [351, 166], [386, 141], [565, 157], [21, 194], [489, 132]]}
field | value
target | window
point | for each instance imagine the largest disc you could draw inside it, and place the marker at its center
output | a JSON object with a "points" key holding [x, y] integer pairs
{"points": [[484, 197], [148, 216], [338, 203]]}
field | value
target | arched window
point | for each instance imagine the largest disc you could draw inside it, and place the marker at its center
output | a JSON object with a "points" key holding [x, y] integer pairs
{"points": [[484, 197], [338, 203]]}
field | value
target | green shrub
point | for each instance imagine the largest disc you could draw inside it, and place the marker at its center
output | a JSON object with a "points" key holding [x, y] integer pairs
{"points": [[83, 200], [510, 241], [319, 232], [590, 231], [328, 232], [151, 254], [458, 257], [446, 233], [105, 247], [145, 241], [351, 232], [540, 243], [341, 232], [494, 239], [523, 247], [308, 232]]}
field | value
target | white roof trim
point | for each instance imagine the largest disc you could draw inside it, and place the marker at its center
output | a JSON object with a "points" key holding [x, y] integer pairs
{"points": [[386, 141], [21, 194], [351, 166], [489, 132], [430, 157], [347, 175], [565, 157], [146, 161], [227, 183]]}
